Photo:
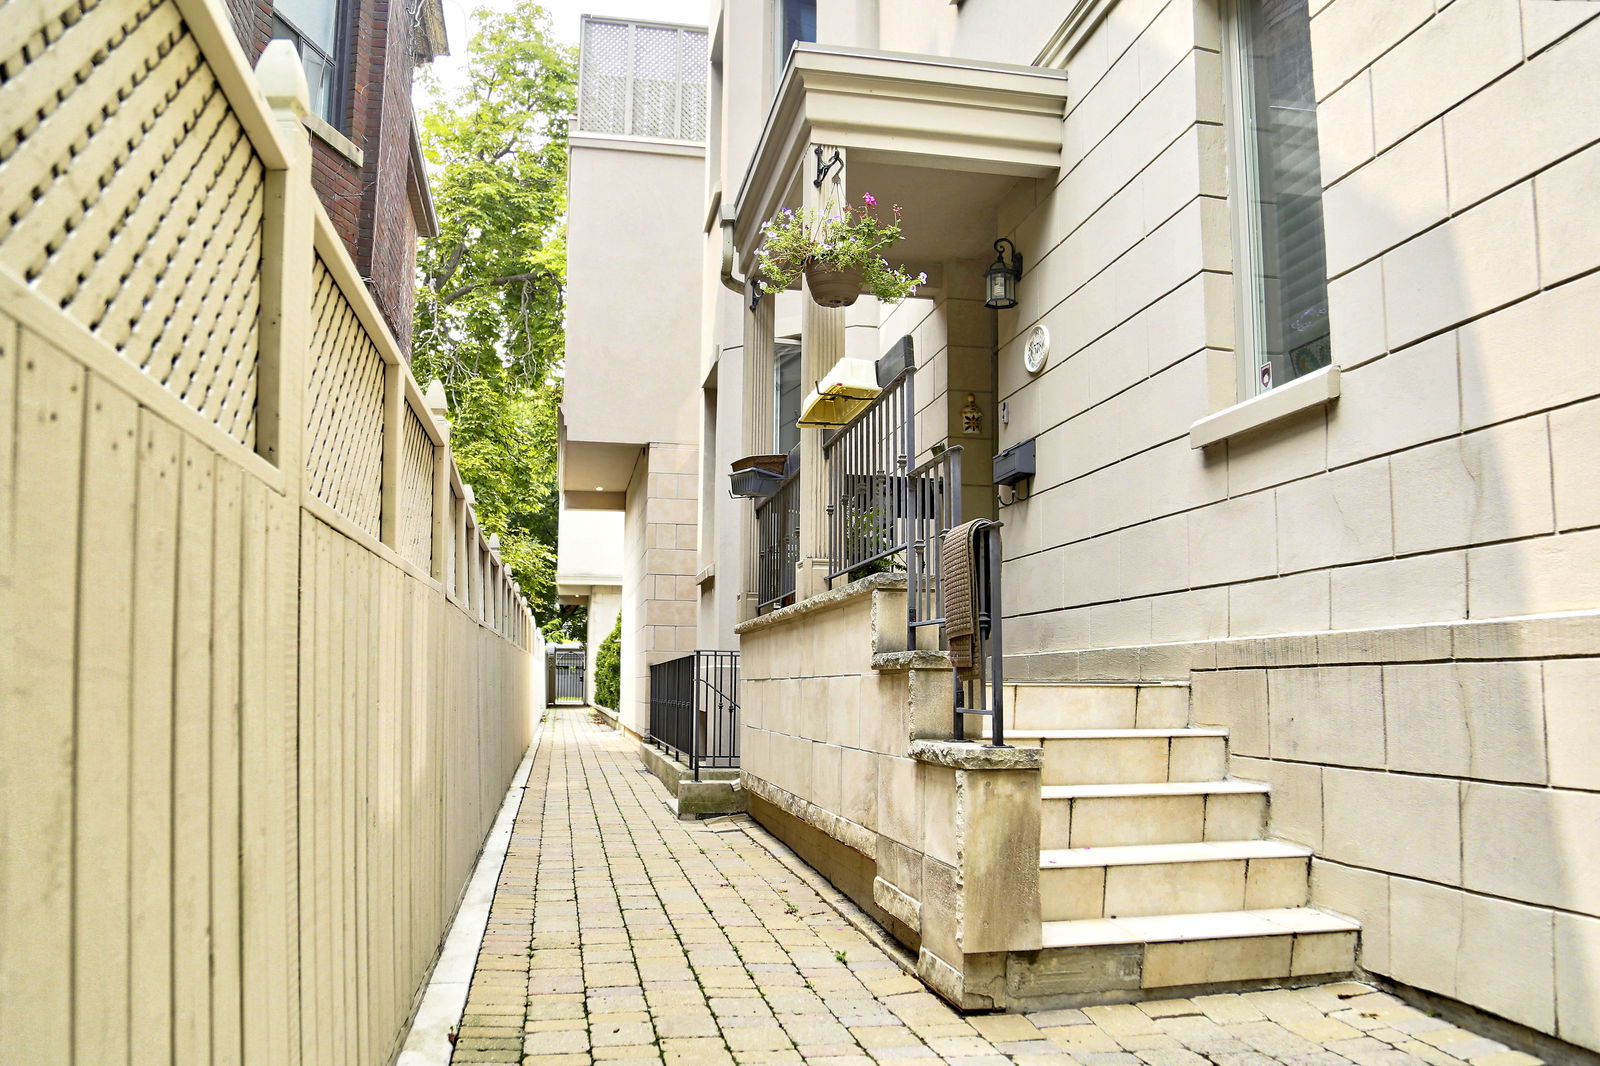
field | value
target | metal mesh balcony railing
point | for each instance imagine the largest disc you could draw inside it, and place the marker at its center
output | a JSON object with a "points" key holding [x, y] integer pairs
{"points": [[643, 79]]}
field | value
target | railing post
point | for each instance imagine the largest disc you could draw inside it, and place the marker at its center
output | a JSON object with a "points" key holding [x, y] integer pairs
{"points": [[439, 407], [287, 252], [997, 677]]}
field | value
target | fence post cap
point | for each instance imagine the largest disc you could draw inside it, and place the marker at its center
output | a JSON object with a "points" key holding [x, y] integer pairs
{"points": [[435, 398], [282, 78]]}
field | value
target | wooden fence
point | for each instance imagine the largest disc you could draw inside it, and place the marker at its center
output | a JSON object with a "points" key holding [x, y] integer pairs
{"points": [[265, 683]]}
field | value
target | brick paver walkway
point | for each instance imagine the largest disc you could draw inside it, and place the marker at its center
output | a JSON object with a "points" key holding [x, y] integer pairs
{"points": [[620, 935]]}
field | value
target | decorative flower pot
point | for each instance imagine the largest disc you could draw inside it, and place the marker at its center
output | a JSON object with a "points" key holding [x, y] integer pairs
{"points": [[833, 288]]}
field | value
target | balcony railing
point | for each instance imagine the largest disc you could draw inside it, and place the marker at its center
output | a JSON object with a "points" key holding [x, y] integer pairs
{"points": [[694, 709], [777, 545], [871, 501]]}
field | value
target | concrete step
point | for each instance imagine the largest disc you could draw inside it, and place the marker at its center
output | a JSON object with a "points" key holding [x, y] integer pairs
{"points": [[1121, 959], [1096, 705], [1127, 756], [1146, 879], [1169, 812]]}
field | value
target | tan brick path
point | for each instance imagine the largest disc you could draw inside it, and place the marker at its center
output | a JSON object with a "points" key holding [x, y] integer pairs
{"points": [[621, 935]]}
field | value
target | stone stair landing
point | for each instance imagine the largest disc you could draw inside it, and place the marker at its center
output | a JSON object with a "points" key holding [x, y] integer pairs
{"points": [[1157, 871]]}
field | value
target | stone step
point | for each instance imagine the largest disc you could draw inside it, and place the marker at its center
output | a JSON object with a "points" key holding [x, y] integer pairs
{"points": [[1146, 879], [1120, 959], [1096, 705], [1127, 756], [1169, 812]]}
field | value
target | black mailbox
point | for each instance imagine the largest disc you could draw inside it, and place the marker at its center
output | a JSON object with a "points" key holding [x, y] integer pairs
{"points": [[1014, 464]]}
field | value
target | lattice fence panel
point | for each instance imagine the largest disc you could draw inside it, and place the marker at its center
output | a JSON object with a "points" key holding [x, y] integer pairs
{"points": [[130, 195], [344, 416], [416, 492], [603, 78], [655, 82], [694, 75]]}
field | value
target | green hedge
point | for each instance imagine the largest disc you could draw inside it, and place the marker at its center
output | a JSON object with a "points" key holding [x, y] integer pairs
{"points": [[608, 669]]}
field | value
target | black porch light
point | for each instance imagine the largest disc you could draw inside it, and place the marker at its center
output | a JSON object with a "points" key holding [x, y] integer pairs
{"points": [[1000, 280]]}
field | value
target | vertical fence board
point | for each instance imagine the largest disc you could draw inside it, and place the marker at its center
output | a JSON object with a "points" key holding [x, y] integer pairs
{"points": [[313, 672], [105, 666], [262, 983], [191, 858], [36, 801], [226, 610], [10, 339], [155, 580]]}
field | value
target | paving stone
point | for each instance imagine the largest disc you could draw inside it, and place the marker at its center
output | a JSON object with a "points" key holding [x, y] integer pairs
{"points": [[619, 936]]}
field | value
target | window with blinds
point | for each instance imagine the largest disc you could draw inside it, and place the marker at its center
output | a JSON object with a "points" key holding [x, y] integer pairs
{"points": [[1281, 263], [642, 79]]}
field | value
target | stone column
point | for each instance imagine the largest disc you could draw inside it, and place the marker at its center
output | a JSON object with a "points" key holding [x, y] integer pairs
{"points": [[821, 346], [760, 387]]}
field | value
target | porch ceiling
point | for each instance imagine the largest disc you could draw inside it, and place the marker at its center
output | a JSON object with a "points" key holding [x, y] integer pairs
{"points": [[943, 138]]}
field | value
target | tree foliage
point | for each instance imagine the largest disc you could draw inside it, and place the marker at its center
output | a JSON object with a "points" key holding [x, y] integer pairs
{"points": [[490, 286]]}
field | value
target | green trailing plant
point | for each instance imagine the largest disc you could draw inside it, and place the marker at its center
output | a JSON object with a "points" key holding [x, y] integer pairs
{"points": [[852, 240], [608, 670]]}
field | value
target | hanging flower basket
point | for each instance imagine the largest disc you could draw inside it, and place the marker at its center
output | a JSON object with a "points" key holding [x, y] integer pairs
{"points": [[840, 255], [832, 287]]}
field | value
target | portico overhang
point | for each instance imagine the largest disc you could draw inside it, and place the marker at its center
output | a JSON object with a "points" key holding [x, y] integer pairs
{"points": [[943, 138]]}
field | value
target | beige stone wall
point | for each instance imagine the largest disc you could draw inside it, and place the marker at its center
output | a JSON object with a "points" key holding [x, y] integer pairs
{"points": [[660, 536], [836, 721], [1433, 761]]}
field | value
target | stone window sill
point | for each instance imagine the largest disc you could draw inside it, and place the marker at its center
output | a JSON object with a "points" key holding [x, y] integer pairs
{"points": [[334, 139], [1313, 390]]}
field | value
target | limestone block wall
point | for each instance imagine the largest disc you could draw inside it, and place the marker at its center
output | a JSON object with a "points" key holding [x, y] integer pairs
{"points": [[1391, 599], [839, 758], [660, 537]]}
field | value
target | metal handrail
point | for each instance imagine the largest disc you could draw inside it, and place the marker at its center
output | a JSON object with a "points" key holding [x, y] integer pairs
{"points": [[988, 677], [679, 701]]}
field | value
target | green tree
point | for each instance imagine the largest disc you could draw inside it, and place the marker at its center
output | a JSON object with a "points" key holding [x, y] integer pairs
{"points": [[490, 286]]}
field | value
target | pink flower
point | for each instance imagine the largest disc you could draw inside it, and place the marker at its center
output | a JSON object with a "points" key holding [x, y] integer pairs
{"points": [[897, 210], [868, 199]]}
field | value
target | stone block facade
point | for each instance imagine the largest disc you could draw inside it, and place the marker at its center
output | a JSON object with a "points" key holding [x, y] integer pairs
{"points": [[660, 534], [845, 757]]}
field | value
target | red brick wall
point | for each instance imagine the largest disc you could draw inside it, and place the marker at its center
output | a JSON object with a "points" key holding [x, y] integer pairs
{"points": [[368, 205]]}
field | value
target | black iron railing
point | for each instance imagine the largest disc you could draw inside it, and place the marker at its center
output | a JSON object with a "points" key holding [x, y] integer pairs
{"points": [[981, 690], [936, 488], [777, 544], [694, 709], [870, 498]]}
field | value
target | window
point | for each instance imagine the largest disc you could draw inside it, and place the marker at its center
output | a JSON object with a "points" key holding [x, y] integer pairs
{"points": [[316, 28], [796, 22], [642, 79], [786, 408], [1279, 261]]}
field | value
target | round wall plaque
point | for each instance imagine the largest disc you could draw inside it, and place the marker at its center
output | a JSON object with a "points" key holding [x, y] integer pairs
{"points": [[1037, 350]]}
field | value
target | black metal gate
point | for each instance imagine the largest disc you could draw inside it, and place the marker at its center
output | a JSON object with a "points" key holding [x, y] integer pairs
{"points": [[567, 674]]}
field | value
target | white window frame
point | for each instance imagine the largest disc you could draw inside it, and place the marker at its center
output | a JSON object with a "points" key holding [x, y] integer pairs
{"points": [[1244, 189], [1256, 406]]}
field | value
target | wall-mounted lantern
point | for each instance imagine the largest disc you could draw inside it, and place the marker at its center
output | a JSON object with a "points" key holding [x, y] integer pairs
{"points": [[1000, 280]]}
